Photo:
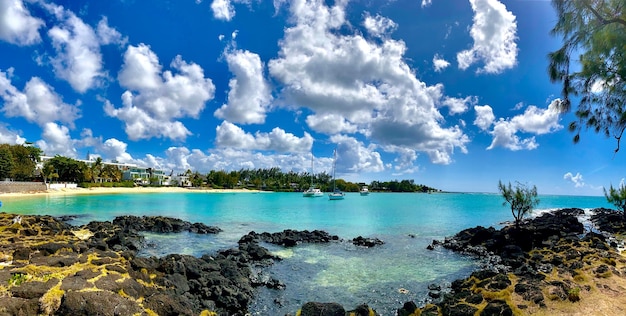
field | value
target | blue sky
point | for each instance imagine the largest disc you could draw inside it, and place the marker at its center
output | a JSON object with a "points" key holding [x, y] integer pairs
{"points": [[451, 93]]}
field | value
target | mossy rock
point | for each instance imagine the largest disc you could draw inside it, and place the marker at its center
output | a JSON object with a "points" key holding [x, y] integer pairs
{"points": [[497, 308], [430, 310], [97, 303], [459, 310]]}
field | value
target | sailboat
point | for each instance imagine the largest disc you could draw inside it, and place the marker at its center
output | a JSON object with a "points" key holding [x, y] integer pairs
{"points": [[312, 191], [336, 194]]}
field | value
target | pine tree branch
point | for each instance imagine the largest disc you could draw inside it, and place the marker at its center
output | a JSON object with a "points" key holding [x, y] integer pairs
{"points": [[603, 20]]}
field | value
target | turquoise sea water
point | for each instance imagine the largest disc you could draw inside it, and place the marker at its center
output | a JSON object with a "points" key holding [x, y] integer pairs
{"points": [[338, 272]]}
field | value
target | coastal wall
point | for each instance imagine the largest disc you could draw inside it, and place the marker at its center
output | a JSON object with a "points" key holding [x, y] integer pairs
{"points": [[59, 186], [16, 187]]}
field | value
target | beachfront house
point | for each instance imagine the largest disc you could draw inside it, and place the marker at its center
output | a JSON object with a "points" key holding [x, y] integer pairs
{"points": [[181, 180], [146, 176], [139, 175]]}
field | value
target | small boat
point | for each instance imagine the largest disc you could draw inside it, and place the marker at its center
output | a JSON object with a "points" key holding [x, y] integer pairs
{"points": [[336, 194], [312, 191], [364, 191]]}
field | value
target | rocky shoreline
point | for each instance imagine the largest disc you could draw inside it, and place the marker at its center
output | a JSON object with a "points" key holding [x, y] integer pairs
{"points": [[50, 267], [548, 260]]}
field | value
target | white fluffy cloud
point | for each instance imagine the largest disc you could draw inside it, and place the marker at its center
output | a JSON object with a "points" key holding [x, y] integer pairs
{"points": [[540, 121], [426, 3], [330, 123], [17, 26], [155, 99], [458, 105], [354, 157], [181, 158], [37, 103], [8, 136], [484, 116], [439, 63], [368, 84], [108, 35], [379, 26], [230, 135], [115, 149], [533, 121], [56, 140], [577, 179], [78, 59], [494, 34], [224, 9], [505, 135], [250, 95]]}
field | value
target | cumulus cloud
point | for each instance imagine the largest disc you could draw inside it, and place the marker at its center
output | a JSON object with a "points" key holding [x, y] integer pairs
{"points": [[505, 135], [577, 179], [37, 103], [458, 105], [533, 121], [494, 34], [108, 35], [224, 9], [8, 136], [78, 59], [180, 159], [157, 98], [439, 63], [426, 3], [353, 156], [17, 26], [250, 95], [56, 140], [404, 163], [368, 84], [379, 26], [115, 149], [540, 121], [231, 135], [330, 123], [484, 116]]}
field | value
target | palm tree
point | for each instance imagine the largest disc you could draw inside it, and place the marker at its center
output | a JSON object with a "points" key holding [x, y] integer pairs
{"points": [[96, 169]]}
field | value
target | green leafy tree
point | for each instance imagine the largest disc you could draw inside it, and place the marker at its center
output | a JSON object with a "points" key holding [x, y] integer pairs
{"points": [[617, 197], [6, 162], [521, 198], [595, 32], [68, 169], [25, 160]]}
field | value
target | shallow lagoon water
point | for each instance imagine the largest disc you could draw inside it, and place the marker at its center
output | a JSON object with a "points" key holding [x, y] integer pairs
{"points": [[338, 271]]}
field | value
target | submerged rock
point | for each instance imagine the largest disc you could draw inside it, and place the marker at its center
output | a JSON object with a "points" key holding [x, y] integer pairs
{"points": [[367, 242], [289, 237]]}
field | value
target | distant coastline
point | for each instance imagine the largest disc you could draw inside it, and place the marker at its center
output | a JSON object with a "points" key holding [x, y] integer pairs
{"points": [[121, 190]]}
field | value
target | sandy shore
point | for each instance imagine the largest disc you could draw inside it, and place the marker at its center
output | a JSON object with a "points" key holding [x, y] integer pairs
{"points": [[95, 191]]}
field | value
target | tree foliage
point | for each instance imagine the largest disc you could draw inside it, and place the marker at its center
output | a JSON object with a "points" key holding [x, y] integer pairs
{"points": [[6, 162], [18, 162], [67, 169], [617, 197], [521, 198], [595, 32]]}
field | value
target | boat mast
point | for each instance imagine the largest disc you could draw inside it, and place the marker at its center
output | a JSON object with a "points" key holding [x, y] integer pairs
{"points": [[334, 167], [311, 170]]}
